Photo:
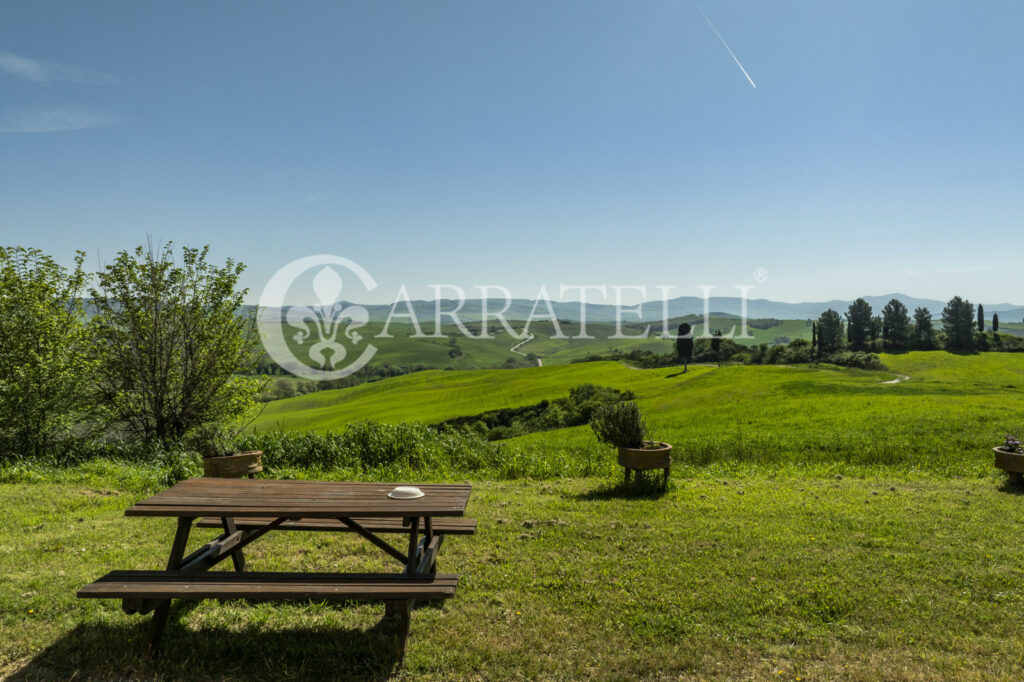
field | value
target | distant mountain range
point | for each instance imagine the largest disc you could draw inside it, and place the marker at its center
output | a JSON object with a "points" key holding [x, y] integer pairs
{"points": [[520, 309]]}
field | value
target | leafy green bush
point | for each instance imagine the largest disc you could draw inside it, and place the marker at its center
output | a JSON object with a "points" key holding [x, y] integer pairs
{"points": [[620, 425], [371, 445], [856, 359], [210, 440], [45, 373], [554, 414]]}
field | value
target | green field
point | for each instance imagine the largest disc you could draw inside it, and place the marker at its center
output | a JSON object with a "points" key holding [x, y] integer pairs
{"points": [[944, 418], [821, 523], [756, 577], [454, 350]]}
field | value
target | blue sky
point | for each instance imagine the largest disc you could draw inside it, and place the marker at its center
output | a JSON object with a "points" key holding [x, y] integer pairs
{"points": [[529, 143]]}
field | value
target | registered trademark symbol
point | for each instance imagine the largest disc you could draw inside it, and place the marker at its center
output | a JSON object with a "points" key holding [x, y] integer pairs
{"points": [[760, 275]]}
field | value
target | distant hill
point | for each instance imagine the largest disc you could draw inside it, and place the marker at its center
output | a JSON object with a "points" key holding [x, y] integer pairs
{"points": [[720, 306]]}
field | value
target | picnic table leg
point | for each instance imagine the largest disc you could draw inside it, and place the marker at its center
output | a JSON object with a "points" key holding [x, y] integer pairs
{"points": [[414, 529], [428, 526], [156, 626], [237, 558], [400, 610]]}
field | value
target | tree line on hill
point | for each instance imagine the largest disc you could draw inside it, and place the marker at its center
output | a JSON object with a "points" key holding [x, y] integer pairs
{"points": [[894, 330], [852, 339]]}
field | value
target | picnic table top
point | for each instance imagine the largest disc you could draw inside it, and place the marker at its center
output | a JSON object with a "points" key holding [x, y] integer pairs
{"points": [[299, 499]]}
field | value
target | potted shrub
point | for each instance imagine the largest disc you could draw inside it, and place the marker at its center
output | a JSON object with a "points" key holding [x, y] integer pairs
{"points": [[622, 426], [1010, 458], [216, 446]]}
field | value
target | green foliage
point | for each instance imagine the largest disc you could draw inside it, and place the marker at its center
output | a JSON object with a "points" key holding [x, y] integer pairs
{"points": [[995, 322], [620, 425], [574, 410], [716, 345], [172, 344], [684, 342], [830, 332], [797, 351], [896, 331], [383, 450], [958, 324], [858, 324], [178, 466], [856, 359], [981, 318], [44, 365], [924, 333], [210, 440]]}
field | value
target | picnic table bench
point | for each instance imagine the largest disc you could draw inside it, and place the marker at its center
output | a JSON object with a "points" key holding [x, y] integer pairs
{"points": [[245, 510]]}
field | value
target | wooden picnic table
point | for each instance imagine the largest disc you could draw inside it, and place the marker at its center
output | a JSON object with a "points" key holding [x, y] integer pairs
{"points": [[247, 509]]}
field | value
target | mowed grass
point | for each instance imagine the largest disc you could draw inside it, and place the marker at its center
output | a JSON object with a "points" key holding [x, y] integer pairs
{"points": [[755, 577], [945, 418], [435, 395]]}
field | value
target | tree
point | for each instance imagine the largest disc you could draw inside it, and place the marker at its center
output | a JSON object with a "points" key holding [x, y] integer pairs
{"points": [[172, 343], [958, 323], [858, 324], [981, 318], [44, 370], [995, 322], [896, 324], [875, 329], [924, 333], [684, 344], [830, 332], [716, 345]]}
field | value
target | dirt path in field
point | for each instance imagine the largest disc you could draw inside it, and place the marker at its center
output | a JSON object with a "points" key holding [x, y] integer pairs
{"points": [[899, 379], [540, 363]]}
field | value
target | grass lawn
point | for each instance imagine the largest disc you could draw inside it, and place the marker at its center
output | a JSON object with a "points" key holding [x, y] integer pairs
{"points": [[759, 576]]}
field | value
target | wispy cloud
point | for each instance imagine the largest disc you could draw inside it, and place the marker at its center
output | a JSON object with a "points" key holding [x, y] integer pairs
{"points": [[36, 71], [52, 119]]}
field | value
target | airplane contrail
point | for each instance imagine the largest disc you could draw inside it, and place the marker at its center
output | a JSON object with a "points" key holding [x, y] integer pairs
{"points": [[731, 53]]}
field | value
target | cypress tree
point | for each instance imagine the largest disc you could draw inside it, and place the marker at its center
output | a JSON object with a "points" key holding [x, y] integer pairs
{"points": [[684, 344]]}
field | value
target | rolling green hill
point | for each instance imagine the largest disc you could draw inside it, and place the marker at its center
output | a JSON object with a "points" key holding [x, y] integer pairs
{"points": [[454, 350], [951, 407]]}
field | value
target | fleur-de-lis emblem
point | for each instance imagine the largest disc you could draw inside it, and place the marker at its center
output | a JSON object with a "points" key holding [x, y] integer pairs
{"points": [[326, 320]]}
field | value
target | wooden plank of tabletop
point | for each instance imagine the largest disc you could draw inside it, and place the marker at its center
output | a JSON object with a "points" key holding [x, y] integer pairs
{"points": [[298, 499]]}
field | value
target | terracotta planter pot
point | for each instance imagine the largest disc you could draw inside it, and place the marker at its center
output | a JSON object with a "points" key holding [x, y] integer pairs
{"points": [[659, 456], [234, 466], [1010, 462]]}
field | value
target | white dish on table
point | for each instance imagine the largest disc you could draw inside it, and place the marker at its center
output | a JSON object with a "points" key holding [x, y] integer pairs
{"points": [[405, 492]]}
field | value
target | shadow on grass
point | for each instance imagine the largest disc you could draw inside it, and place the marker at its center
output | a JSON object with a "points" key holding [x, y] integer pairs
{"points": [[649, 487], [1012, 485], [107, 651]]}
